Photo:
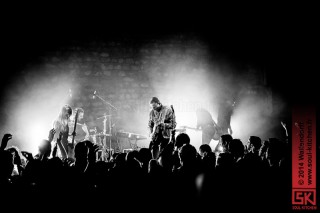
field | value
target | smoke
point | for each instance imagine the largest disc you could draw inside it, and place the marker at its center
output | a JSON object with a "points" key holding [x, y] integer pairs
{"points": [[185, 76], [189, 83], [33, 102], [256, 115]]}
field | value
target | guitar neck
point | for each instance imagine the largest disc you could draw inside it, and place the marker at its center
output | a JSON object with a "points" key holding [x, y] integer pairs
{"points": [[188, 127], [74, 128]]}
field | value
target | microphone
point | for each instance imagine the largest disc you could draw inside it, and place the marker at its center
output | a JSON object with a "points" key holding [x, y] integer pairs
{"points": [[94, 94]]}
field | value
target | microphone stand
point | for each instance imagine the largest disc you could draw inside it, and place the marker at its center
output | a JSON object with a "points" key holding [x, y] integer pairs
{"points": [[109, 107]]}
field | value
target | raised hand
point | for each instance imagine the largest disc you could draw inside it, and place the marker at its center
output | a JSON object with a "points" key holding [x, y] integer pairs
{"points": [[284, 125], [5, 139], [93, 148], [52, 132], [27, 155], [69, 162]]}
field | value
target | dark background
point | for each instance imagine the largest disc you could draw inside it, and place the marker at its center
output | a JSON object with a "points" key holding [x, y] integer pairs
{"points": [[281, 41]]}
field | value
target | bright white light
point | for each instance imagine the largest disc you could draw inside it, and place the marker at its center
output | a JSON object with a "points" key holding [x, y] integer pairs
{"points": [[35, 133], [186, 118], [38, 104], [249, 118]]}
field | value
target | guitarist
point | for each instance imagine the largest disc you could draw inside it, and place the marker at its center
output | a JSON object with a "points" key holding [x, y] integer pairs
{"points": [[78, 130], [161, 121], [82, 132], [61, 127], [225, 112], [210, 130]]}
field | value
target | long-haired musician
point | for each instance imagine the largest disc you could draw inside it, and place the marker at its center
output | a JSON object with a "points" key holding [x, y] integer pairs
{"points": [[82, 132], [208, 126], [225, 112], [61, 127]]}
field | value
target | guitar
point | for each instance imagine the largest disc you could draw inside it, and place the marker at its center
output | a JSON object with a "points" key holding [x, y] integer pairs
{"points": [[157, 132], [158, 127], [170, 146], [173, 132], [216, 131], [71, 145]]}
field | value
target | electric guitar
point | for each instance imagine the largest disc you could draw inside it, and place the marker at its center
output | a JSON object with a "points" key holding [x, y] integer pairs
{"points": [[158, 127], [216, 131], [71, 145], [157, 131], [170, 146]]}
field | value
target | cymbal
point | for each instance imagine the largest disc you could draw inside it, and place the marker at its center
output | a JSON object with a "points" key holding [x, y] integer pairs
{"points": [[130, 135], [113, 116], [180, 130], [104, 116]]}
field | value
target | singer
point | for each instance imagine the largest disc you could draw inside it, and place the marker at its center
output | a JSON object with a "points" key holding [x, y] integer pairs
{"points": [[61, 126], [161, 121]]}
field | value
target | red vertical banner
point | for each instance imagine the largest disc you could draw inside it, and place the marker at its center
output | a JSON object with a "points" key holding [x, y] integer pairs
{"points": [[304, 158]]}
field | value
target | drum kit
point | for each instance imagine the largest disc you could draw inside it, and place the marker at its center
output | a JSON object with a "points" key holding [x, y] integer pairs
{"points": [[103, 139]]}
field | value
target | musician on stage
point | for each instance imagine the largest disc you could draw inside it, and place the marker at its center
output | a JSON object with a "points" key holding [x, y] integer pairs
{"points": [[82, 132], [61, 127], [161, 121], [207, 125], [224, 115]]}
